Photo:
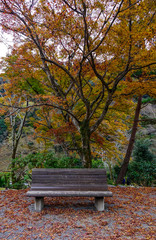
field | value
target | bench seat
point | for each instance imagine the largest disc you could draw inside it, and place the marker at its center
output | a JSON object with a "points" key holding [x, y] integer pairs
{"points": [[69, 183], [69, 194]]}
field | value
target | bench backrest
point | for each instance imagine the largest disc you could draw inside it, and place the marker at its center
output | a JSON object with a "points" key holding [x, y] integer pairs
{"points": [[69, 179]]}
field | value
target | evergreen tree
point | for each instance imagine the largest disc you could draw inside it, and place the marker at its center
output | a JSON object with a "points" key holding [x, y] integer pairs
{"points": [[142, 170]]}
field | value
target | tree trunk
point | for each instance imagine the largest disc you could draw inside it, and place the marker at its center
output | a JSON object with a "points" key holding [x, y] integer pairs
{"points": [[85, 138], [14, 150], [13, 178], [125, 163], [110, 170], [15, 142]]}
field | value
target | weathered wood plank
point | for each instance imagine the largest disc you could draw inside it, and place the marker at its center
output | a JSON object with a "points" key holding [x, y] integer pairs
{"points": [[68, 171], [69, 184], [74, 181], [70, 188], [63, 176]]}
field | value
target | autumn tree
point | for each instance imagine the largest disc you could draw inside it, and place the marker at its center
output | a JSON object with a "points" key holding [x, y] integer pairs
{"points": [[82, 51], [15, 119], [51, 129]]}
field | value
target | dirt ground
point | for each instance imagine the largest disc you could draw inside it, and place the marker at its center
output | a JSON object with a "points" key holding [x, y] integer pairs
{"points": [[129, 214]]}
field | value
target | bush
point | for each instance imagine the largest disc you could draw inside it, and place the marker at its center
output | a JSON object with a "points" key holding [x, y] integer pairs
{"points": [[97, 163], [5, 179], [51, 160], [22, 169], [142, 170], [23, 166]]}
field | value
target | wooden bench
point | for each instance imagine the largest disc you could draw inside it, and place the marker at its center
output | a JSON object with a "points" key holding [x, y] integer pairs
{"points": [[69, 183]]}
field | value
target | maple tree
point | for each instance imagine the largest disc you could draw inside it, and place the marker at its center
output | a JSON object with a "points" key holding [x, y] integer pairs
{"points": [[50, 127], [80, 52]]}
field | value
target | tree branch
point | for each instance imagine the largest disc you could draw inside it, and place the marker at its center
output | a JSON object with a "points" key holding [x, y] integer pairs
{"points": [[150, 64], [45, 104], [74, 9], [131, 5], [108, 29]]}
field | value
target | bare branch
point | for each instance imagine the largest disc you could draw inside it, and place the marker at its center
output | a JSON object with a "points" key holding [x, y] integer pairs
{"points": [[33, 2]]}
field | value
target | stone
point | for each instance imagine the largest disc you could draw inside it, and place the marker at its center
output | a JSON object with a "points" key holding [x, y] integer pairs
{"points": [[99, 203], [39, 203]]}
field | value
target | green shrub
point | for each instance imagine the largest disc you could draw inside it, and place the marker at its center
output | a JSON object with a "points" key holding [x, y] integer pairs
{"points": [[97, 163], [22, 169], [5, 179], [24, 165], [142, 170], [51, 160]]}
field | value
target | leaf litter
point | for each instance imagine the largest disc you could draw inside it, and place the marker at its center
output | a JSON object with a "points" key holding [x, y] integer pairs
{"points": [[129, 214]]}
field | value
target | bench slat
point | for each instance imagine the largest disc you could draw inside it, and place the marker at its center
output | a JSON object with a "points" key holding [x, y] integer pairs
{"points": [[68, 184], [61, 176], [60, 171], [71, 188], [65, 181]]}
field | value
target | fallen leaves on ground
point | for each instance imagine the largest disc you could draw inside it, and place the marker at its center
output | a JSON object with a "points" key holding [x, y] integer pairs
{"points": [[129, 214]]}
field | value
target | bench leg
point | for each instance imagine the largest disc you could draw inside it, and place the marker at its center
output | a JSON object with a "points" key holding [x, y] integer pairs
{"points": [[39, 203], [99, 203]]}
